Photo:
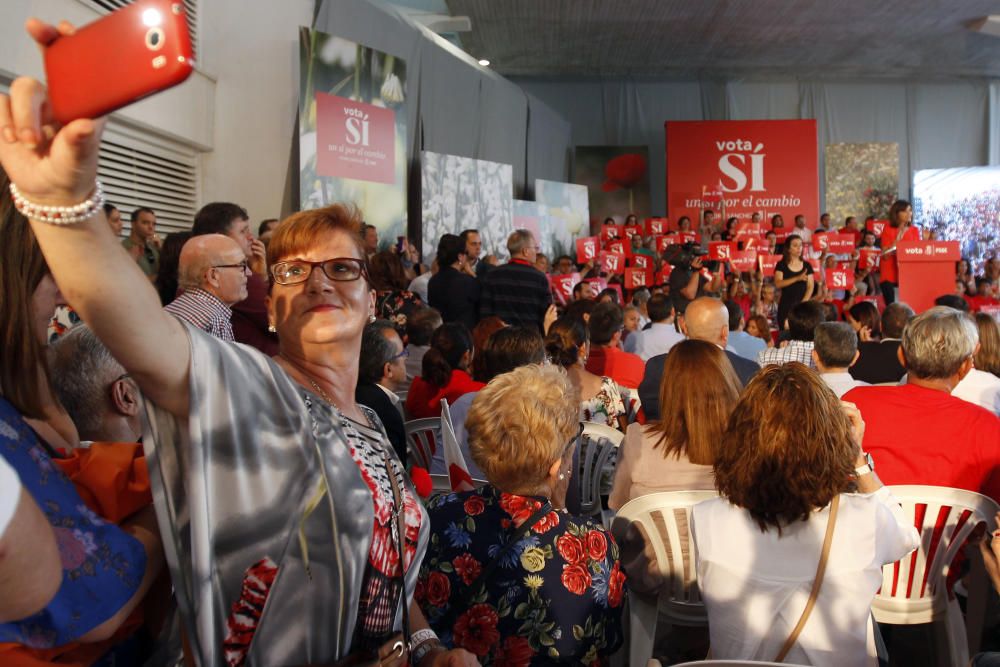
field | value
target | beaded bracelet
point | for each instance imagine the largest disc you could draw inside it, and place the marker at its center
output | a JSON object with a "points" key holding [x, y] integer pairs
{"points": [[59, 215]]}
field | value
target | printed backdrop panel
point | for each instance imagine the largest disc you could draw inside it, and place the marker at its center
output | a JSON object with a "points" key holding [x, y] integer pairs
{"points": [[352, 130], [567, 215], [767, 166], [617, 179], [460, 193], [861, 180]]}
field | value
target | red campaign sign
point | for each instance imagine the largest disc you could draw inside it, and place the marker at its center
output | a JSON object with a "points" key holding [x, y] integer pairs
{"points": [[632, 230], [562, 286], [597, 285], [689, 237], [666, 240], [612, 262], [616, 246], [743, 260], [656, 226], [769, 165], [663, 277], [642, 261], [721, 250], [814, 263], [609, 232], [636, 278], [767, 263], [992, 311], [782, 233], [355, 140], [869, 258], [748, 230], [877, 226], [837, 244], [839, 279], [586, 249]]}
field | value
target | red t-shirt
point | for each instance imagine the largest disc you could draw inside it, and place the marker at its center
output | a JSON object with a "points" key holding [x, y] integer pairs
{"points": [[977, 302], [924, 436], [424, 399], [888, 268], [624, 368]]}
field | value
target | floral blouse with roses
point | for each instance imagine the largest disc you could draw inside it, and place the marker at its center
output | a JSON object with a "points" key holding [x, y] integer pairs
{"points": [[555, 597]]}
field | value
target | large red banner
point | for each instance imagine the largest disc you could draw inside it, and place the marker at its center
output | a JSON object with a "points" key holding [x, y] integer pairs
{"points": [[763, 166]]}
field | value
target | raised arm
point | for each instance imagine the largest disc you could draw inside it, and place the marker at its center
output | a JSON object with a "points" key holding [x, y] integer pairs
{"points": [[93, 271]]}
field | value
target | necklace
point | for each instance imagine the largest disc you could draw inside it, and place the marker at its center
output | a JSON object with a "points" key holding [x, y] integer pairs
{"points": [[322, 394]]}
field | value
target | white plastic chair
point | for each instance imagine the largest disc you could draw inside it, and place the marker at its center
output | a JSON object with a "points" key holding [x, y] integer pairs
{"points": [[944, 518], [422, 438], [598, 447], [660, 515]]}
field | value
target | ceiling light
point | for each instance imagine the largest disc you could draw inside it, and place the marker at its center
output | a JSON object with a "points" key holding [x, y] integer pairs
{"points": [[484, 62]]}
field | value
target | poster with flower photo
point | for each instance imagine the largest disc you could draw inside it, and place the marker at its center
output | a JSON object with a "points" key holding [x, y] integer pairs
{"points": [[352, 130], [861, 180], [617, 180], [459, 193]]}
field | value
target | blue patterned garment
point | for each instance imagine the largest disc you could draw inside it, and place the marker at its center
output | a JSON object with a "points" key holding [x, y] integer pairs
{"points": [[102, 565], [555, 598]]}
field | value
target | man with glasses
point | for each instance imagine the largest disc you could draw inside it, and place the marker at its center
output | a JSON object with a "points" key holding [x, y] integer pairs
{"points": [[249, 320], [381, 373], [517, 292], [212, 272]]}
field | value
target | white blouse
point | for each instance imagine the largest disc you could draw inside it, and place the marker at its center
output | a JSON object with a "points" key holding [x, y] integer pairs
{"points": [[755, 584]]}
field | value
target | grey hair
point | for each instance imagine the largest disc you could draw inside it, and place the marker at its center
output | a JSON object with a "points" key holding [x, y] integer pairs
{"points": [[835, 344], [517, 240], [938, 341], [82, 369], [640, 296], [376, 351]]}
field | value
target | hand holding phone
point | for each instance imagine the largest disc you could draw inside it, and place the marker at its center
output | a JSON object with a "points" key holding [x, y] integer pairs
{"points": [[129, 54]]}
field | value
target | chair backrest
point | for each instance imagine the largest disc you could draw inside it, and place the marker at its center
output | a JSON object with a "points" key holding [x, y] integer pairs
{"points": [[665, 517], [598, 447], [422, 438], [454, 460], [944, 517], [734, 663]]}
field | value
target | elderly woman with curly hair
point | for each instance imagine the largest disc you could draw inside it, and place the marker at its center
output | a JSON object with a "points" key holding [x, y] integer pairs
{"points": [[509, 574], [796, 491]]}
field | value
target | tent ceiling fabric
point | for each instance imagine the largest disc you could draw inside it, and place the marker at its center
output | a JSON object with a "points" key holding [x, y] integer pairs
{"points": [[692, 39]]}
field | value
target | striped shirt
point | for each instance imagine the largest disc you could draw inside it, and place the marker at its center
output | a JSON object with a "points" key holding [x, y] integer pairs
{"points": [[517, 293], [796, 350], [204, 311]]}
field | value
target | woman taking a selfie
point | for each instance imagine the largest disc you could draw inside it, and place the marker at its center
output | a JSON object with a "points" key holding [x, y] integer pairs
{"points": [[276, 486], [801, 517]]}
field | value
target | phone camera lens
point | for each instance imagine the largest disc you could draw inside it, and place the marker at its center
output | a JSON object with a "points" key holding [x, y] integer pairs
{"points": [[154, 39]]}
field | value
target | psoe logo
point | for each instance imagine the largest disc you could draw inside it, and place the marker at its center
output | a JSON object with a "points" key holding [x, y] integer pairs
{"points": [[357, 126], [733, 164]]}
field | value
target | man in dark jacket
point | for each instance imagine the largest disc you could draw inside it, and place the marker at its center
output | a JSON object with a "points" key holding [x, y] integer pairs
{"points": [[381, 372], [517, 292], [451, 291]]}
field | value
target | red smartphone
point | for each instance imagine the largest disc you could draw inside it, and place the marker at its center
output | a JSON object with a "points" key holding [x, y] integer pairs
{"points": [[129, 54]]}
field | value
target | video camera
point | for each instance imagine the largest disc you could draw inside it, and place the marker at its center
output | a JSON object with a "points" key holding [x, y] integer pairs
{"points": [[680, 256]]}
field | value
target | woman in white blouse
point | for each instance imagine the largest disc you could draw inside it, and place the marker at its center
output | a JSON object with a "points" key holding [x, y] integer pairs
{"points": [[791, 449]]}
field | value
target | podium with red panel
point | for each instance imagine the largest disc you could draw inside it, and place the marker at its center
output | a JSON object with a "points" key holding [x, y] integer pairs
{"points": [[926, 271]]}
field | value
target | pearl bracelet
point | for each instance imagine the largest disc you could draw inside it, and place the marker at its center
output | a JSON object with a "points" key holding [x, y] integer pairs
{"points": [[59, 215]]}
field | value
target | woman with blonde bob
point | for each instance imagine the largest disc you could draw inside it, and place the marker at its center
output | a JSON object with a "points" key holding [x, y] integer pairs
{"points": [[797, 491], [509, 574], [697, 393]]}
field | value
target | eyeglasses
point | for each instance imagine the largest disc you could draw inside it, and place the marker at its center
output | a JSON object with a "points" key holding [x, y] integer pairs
{"points": [[339, 269], [242, 266], [404, 353]]}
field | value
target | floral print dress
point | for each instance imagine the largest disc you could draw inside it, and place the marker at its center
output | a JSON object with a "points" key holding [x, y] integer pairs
{"points": [[555, 598], [611, 402], [397, 306]]}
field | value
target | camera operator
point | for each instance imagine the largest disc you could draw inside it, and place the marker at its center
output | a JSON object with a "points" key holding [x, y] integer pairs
{"points": [[687, 282]]}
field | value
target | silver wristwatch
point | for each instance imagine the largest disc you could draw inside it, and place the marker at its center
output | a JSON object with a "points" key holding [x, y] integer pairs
{"points": [[867, 468]]}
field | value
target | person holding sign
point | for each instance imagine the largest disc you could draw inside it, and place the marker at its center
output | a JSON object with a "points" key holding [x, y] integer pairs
{"points": [[794, 277], [900, 229]]}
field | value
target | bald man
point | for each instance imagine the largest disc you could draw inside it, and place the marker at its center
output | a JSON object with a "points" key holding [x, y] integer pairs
{"points": [[212, 272], [704, 319]]}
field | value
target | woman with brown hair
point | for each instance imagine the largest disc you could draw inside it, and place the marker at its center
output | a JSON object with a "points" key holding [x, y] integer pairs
{"points": [[799, 497], [758, 327], [272, 481], [697, 393], [865, 320], [987, 358], [393, 301]]}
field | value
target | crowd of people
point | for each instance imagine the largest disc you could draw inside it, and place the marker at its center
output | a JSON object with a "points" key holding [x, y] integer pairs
{"points": [[205, 454]]}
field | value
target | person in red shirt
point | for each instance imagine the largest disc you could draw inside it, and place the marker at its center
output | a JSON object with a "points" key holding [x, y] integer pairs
{"points": [[606, 356], [899, 229], [983, 296], [444, 373], [918, 433]]}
